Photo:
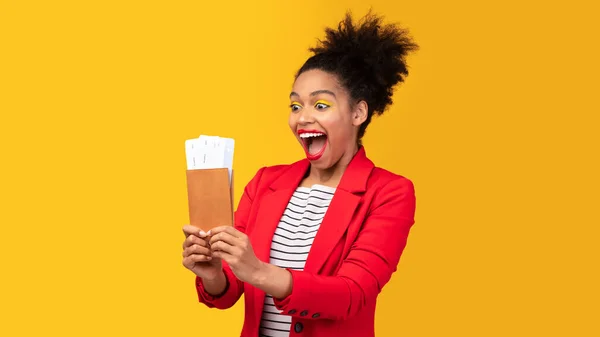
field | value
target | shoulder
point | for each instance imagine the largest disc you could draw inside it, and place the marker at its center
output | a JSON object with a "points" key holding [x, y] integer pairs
{"points": [[274, 171], [381, 177], [392, 192]]}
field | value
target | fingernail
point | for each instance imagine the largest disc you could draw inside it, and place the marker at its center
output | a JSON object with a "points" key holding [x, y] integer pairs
{"points": [[209, 232], [202, 233], [209, 258]]}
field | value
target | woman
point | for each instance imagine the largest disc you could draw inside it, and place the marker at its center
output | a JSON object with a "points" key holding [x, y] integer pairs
{"points": [[314, 242]]}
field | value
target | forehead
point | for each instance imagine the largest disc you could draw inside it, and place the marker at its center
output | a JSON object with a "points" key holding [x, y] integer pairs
{"points": [[315, 80]]}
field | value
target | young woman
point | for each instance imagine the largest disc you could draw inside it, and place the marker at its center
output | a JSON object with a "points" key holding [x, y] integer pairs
{"points": [[314, 242]]}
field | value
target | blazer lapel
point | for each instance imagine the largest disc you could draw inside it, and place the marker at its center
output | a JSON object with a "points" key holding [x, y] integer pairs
{"points": [[341, 210]]}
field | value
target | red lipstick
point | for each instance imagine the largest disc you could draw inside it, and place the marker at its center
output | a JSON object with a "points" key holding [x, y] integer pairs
{"points": [[313, 138]]}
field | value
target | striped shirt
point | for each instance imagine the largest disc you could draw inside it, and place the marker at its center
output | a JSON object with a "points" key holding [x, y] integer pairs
{"points": [[291, 244]]}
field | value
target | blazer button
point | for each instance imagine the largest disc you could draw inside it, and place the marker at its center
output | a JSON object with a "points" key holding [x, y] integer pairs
{"points": [[298, 327], [316, 315], [291, 312], [304, 313]]}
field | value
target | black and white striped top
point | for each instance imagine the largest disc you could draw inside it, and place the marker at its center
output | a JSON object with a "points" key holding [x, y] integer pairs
{"points": [[291, 244]]}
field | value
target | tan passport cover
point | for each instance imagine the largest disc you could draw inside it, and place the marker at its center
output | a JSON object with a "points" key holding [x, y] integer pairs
{"points": [[210, 198]]}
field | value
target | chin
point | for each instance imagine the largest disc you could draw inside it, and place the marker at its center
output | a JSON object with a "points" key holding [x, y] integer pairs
{"points": [[321, 164]]}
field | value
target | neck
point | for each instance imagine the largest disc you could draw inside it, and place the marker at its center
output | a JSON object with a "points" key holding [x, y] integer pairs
{"points": [[331, 176]]}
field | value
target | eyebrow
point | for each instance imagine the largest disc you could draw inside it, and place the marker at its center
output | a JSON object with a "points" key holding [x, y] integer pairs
{"points": [[314, 93]]}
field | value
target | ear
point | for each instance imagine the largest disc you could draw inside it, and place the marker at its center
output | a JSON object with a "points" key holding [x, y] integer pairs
{"points": [[360, 113]]}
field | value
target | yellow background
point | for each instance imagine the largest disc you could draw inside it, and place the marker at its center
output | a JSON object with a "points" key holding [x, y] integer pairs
{"points": [[497, 125]]}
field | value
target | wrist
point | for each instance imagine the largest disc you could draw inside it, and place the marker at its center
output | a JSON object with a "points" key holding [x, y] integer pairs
{"points": [[273, 280], [216, 277], [215, 285], [261, 276]]}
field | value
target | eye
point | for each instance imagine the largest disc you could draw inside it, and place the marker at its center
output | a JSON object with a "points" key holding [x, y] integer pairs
{"points": [[295, 106], [320, 105]]}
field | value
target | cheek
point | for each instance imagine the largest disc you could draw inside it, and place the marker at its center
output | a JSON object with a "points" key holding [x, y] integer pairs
{"points": [[339, 128], [293, 123]]}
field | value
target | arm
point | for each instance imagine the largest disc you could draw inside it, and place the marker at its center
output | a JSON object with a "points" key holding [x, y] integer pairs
{"points": [[372, 260], [226, 289]]}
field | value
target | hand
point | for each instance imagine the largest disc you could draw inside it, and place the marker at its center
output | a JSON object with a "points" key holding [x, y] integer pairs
{"points": [[234, 247], [197, 255]]}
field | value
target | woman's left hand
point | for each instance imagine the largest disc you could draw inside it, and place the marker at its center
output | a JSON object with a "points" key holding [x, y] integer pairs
{"points": [[234, 247]]}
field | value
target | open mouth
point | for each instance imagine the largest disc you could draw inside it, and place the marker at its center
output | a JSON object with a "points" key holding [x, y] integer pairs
{"points": [[314, 143]]}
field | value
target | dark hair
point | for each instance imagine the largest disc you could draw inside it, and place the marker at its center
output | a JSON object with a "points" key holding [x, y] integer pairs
{"points": [[368, 58]]}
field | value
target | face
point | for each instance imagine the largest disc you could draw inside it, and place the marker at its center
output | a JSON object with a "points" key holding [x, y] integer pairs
{"points": [[322, 118]]}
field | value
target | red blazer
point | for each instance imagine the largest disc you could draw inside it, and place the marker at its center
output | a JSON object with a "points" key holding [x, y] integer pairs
{"points": [[354, 254]]}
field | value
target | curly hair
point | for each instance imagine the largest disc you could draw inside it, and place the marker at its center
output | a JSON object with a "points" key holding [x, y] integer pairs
{"points": [[367, 57]]}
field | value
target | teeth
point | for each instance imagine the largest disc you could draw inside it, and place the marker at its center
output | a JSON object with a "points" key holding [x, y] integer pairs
{"points": [[307, 135]]}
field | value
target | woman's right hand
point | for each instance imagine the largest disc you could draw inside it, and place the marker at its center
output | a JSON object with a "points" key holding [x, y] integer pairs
{"points": [[197, 255]]}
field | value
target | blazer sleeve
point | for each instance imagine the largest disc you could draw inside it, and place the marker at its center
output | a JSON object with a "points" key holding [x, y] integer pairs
{"points": [[234, 288], [369, 265]]}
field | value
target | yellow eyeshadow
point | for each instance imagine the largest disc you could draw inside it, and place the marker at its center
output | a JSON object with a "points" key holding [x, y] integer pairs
{"points": [[296, 103], [321, 101]]}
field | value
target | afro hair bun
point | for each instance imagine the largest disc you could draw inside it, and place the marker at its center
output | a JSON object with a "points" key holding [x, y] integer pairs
{"points": [[368, 57]]}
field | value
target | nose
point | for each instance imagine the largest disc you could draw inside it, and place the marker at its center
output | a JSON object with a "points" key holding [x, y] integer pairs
{"points": [[305, 116]]}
